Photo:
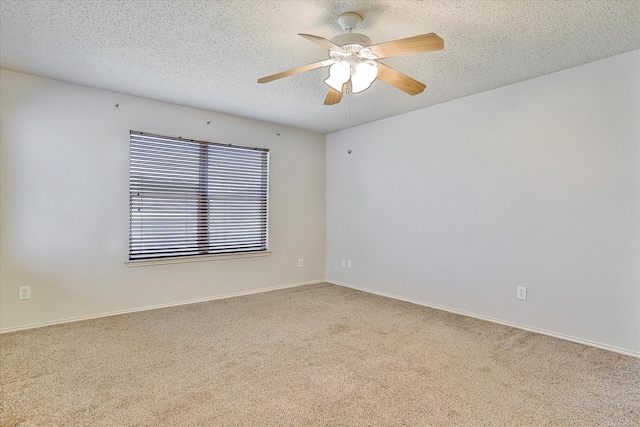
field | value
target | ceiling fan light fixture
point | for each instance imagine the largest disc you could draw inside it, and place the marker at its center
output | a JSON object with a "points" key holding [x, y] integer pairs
{"points": [[339, 74], [365, 52], [364, 73]]}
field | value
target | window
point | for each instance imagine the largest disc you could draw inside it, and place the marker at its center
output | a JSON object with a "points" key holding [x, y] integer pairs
{"points": [[192, 197]]}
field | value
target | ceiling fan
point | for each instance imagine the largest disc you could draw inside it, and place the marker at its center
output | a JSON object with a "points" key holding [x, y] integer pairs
{"points": [[353, 60]]}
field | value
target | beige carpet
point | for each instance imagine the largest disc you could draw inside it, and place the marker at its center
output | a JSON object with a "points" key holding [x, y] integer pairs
{"points": [[318, 355]]}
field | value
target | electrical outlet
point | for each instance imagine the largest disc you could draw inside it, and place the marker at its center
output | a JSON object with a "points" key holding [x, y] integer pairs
{"points": [[344, 263], [301, 263], [24, 292], [522, 293], [348, 263]]}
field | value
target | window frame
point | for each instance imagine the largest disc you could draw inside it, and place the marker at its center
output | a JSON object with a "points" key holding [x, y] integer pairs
{"points": [[227, 190]]}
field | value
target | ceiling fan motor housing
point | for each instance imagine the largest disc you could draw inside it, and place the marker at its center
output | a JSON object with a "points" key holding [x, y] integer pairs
{"points": [[347, 39]]}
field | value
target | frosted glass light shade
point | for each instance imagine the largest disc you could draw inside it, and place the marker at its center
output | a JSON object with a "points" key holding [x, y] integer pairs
{"points": [[339, 74], [364, 73]]}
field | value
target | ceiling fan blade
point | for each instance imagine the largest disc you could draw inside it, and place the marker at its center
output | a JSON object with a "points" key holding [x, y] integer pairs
{"points": [[416, 44], [399, 80], [323, 42], [293, 71], [333, 96]]}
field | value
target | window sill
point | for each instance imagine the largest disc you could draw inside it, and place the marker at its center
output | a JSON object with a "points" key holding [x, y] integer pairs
{"points": [[195, 258]]}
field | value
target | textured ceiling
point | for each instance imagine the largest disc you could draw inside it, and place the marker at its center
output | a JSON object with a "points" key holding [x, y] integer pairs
{"points": [[209, 54]]}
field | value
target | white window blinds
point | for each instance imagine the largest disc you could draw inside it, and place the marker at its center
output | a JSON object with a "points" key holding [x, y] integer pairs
{"points": [[192, 197]]}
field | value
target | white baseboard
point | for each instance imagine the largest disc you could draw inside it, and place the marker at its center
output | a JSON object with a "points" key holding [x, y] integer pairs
{"points": [[154, 307], [489, 319]]}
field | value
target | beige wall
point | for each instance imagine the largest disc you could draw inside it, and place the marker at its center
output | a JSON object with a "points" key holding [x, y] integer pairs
{"points": [[64, 207]]}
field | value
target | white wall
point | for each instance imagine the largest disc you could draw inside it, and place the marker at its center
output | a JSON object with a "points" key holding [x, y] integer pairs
{"points": [[535, 184], [65, 204]]}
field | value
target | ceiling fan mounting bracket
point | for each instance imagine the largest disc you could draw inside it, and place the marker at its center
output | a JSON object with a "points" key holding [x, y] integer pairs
{"points": [[349, 20]]}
